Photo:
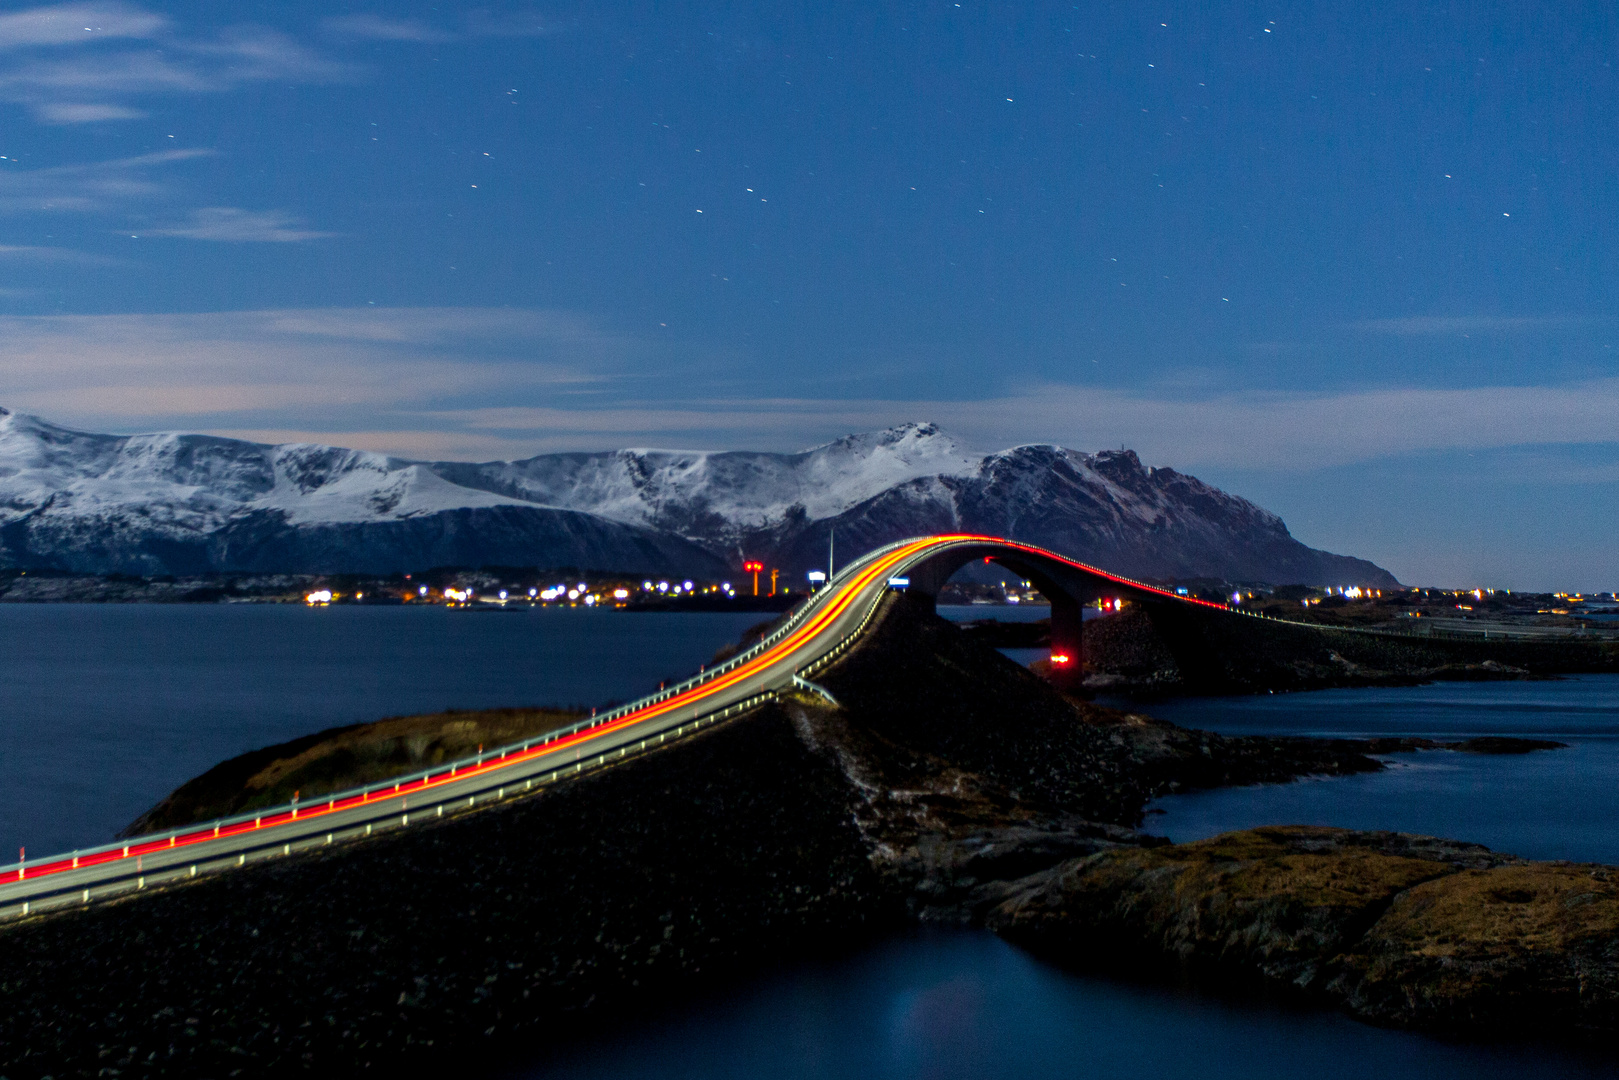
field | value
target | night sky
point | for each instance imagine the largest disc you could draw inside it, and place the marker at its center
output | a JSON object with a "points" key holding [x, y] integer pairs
{"points": [[1355, 262]]}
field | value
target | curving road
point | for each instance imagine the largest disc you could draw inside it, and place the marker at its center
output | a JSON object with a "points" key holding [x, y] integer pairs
{"points": [[817, 633]]}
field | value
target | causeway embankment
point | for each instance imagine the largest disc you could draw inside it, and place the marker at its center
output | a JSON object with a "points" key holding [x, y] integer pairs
{"points": [[947, 784]]}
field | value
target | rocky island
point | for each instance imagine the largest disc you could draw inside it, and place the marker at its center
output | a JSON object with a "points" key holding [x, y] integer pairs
{"points": [[947, 784]]}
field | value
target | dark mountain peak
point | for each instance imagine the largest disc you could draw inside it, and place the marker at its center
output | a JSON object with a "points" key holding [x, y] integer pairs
{"points": [[167, 503]]}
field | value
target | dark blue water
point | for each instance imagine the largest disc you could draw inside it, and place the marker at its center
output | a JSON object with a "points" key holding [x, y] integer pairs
{"points": [[965, 1004], [998, 612], [106, 708], [1552, 804], [1006, 613], [103, 709], [961, 1004]]}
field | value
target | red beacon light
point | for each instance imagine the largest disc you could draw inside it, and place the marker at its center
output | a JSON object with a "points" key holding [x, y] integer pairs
{"points": [[1061, 658]]}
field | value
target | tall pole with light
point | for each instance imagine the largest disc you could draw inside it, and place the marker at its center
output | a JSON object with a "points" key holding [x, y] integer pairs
{"points": [[753, 568]]}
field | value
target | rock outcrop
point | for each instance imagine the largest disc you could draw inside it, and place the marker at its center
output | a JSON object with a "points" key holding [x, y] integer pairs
{"points": [[1401, 930]]}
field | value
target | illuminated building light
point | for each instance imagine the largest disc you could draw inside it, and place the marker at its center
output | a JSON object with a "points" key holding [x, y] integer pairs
{"points": [[621, 594], [319, 596], [1061, 658]]}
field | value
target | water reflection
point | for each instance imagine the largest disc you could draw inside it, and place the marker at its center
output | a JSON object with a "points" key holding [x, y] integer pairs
{"points": [[946, 1004]]}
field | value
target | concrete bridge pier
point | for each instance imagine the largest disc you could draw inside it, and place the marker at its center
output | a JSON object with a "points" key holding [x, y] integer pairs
{"points": [[1067, 640], [1067, 603]]}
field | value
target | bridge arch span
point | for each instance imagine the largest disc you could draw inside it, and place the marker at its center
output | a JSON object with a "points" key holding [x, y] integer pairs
{"points": [[1066, 582]]}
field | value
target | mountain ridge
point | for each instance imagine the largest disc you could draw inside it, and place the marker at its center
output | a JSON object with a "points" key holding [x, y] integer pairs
{"points": [[183, 503]]}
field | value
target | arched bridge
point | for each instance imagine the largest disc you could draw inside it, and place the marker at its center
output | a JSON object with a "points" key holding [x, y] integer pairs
{"points": [[1067, 584], [816, 634]]}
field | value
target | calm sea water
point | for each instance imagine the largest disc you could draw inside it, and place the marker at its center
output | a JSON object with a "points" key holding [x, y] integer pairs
{"points": [[963, 1005], [104, 709], [1550, 804]]}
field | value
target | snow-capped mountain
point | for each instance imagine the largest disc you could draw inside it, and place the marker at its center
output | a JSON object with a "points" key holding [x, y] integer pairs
{"points": [[173, 504], [183, 503]]}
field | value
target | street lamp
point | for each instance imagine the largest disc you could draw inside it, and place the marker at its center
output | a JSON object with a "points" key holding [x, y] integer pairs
{"points": [[754, 568]]}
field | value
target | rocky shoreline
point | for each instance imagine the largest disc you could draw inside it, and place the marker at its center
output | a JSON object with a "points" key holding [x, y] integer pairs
{"points": [[949, 786], [1131, 653], [1399, 930]]}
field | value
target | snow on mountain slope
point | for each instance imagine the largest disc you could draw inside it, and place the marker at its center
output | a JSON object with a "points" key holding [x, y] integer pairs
{"points": [[173, 503], [166, 503], [209, 478], [697, 493], [870, 489]]}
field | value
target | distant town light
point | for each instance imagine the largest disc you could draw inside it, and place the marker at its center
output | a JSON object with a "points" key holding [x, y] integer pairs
{"points": [[621, 594], [319, 596]]}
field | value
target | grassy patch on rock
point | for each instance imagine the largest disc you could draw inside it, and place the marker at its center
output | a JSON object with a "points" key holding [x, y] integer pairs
{"points": [[1400, 930], [343, 757]]}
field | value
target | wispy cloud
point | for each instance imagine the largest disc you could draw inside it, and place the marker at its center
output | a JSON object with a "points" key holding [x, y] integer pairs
{"points": [[21, 253], [380, 28], [501, 382], [255, 54], [1424, 325], [90, 186], [229, 223], [77, 24], [119, 51], [64, 113], [280, 368]]}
